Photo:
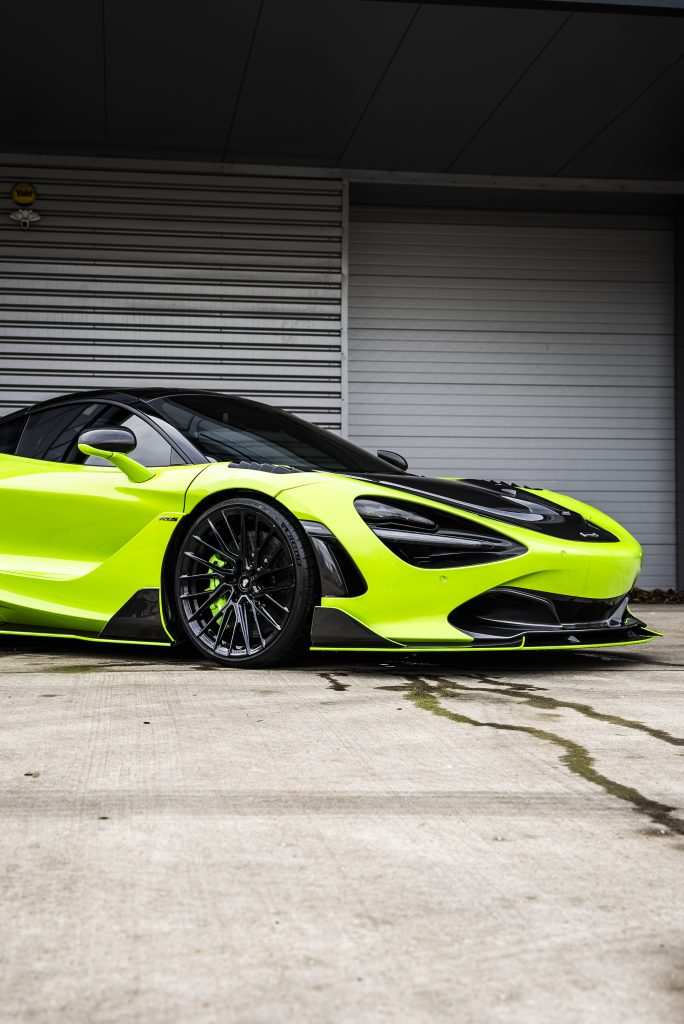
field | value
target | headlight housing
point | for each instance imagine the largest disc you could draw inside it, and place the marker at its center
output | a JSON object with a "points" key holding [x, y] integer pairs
{"points": [[431, 539]]}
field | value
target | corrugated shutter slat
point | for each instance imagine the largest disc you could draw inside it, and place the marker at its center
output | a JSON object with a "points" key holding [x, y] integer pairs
{"points": [[537, 352], [226, 281]]}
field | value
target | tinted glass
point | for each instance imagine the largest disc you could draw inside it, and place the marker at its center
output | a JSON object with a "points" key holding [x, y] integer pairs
{"points": [[51, 433], [152, 448], [235, 430], [10, 432]]}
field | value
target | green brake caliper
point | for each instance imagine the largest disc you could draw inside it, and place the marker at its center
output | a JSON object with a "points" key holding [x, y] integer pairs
{"points": [[214, 582]]}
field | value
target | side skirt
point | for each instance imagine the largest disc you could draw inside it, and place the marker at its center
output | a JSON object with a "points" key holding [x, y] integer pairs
{"points": [[84, 636], [139, 622]]}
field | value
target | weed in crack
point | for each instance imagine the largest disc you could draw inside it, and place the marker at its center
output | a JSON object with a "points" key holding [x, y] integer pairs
{"points": [[575, 757]]}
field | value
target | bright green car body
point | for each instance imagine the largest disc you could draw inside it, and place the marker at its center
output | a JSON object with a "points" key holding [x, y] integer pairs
{"points": [[78, 541]]}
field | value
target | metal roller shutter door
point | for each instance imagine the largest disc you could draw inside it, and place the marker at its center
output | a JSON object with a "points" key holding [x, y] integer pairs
{"points": [[175, 276], [521, 348]]}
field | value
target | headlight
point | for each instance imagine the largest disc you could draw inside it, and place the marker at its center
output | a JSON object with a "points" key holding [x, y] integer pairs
{"points": [[377, 512], [432, 539]]}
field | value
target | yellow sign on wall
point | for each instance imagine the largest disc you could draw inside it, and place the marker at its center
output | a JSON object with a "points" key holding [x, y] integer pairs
{"points": [[24, 194]]}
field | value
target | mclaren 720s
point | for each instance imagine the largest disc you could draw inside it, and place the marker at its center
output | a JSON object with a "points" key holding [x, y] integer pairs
{"points": [[157, 516]]}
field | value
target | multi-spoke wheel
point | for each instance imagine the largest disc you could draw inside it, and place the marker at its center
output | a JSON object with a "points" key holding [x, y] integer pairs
{"points": [[243, 583]]}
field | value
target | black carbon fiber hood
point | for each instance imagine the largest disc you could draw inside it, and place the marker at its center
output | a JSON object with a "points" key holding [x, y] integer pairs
{"points": [[508, 503]]}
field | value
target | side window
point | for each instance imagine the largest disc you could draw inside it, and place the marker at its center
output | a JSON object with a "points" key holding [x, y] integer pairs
{"points": [[51, 433], [10, 432], [152, 448]]}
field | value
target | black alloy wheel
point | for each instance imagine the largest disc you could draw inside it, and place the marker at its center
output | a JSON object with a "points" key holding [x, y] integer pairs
{"points": [[244, 584]]}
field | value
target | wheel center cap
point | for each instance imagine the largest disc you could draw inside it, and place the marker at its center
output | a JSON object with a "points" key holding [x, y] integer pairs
{"points": [[244, 582]]}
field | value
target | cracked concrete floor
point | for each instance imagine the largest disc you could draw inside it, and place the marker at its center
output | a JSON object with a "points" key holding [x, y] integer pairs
{"points": [[485, 839]]}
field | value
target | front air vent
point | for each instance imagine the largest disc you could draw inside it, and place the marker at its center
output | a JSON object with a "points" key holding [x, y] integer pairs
{"points": [[510, 612], [338, 573]]}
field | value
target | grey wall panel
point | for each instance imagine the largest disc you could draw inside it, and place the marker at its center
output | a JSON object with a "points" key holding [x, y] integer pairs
{"points": [[591, 72], [218, 280], [536, 352], [57, 82], [313, 69], [444, 81], [177, 73]]}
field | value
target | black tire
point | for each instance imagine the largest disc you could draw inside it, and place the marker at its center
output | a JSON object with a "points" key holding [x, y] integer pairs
{"points": [[243, 584]]}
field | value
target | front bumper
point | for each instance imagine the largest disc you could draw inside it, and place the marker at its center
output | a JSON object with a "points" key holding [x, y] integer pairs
{"points": [[414, 608]]}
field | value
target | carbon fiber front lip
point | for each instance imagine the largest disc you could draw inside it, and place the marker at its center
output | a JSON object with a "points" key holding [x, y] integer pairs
{"points": [[570, 638], [333, 629]]}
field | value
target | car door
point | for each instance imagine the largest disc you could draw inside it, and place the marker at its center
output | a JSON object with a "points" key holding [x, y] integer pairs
{"points": [[79, 539]]}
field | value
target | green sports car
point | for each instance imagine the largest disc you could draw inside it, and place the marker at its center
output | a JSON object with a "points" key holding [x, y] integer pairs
{"points": [[156, 516]]}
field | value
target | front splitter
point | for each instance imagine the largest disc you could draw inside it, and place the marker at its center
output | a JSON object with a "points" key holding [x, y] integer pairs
{"points": [[474, 648], [335, 630]]}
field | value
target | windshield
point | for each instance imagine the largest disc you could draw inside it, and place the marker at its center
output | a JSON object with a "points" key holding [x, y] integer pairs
{"points": [[235, 429]]}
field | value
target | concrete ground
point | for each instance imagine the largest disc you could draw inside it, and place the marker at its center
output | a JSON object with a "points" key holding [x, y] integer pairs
{"points": [[474, 838]]}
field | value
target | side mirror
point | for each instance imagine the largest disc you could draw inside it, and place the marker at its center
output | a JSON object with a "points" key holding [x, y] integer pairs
{"points": [[394, 459], [113, 444], [109, 439]]}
